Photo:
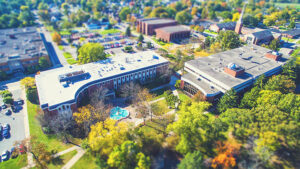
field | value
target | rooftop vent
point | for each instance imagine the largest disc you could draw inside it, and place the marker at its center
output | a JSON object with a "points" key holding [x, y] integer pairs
{"points": [[155, 57], [122, 68], [234, 69], [274, 55]]}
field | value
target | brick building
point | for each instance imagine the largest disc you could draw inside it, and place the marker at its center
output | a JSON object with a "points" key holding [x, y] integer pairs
{"points": [[71, 85], [222, 26], [147, 26], [293, 34], [172, 33], [20, 48], [237, 68]]}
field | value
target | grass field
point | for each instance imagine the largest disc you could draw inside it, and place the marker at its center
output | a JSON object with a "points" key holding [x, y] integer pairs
{"points": [[60, 47], [69, 58], [159, 108], [86, 161], [283, 5], [208, 31], [65, 33], [161, 42], [51, 141], [157, 94], [19, 162], [183, 97], [60, 161], [109, 31]]}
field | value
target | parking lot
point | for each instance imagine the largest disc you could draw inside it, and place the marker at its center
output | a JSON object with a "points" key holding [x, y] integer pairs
{"points": [[15, 120]]}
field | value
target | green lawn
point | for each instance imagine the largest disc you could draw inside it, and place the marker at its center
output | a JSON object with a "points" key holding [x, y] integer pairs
{"points": [[161, 42], [60, 161], [158, 125], [69, 58], [159, 108], [60, 47], [65, 33], [86, 161], [208, 31], [19, 162], [183, 97], [109, 31], [293, 5], [35, 130], [288, 39]]}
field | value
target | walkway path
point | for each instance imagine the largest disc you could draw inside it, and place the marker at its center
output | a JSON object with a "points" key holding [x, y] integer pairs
{"points": [[70, 163], [157, 100]]}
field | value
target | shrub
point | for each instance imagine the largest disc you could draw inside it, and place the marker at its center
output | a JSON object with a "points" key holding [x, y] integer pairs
{"points": [[8, 100]]}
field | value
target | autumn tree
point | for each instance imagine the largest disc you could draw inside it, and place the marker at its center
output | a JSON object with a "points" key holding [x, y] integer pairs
{"points": [[198, 97], [61, 123], [142, 103], [235, 17], [38, 149], [105, 136], [228, 39], [130, 91], [183, 17], [147, 11], [56, 38], [91, 52], [194, 11], [128, 155], [226, 157], [281, 83]]}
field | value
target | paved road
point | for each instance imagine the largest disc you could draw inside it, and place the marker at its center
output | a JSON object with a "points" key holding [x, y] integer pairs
{"points": [[16, 120]]}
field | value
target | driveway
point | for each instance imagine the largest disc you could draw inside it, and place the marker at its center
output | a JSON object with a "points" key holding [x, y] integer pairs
{"points": [[16, 120]]}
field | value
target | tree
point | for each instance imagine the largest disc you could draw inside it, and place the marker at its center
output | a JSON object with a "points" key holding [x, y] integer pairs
{"points": [[56, 38], [281, 83], [235, 17], [178, 84], [198, 97], [183, 17], [91, 52], [38, 149], [141, 38], [130, 91], [250, 20], [6, 93], [149, 45], [192, 161], [228, 100], [212, 15], [142, 103], [8, 100], [105, 136], [61, 123], [228, 39], [43, 63], [128, 32], [66, 8], [128, 155], [28, 82], [274, 45], [292, 24], [124, 12], [147, 11], [204, 13], [226, 155], [194, 11], [26, 16], [249, 99]]}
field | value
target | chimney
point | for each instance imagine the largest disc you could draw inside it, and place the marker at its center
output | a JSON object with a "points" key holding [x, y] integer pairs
{"points": [[234, 70], [239, 24], [274, 55]]}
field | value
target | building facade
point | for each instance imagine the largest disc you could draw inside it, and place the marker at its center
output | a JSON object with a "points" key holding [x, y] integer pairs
{"points": [[234, 69], [147, 26], [172, 33], [71, 85], [20, 48], [222, 26]]}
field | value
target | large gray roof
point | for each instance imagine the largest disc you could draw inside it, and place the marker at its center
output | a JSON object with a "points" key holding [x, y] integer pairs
{"points": [[293, 32], [174, 29], [159, 21], [20, 43]]}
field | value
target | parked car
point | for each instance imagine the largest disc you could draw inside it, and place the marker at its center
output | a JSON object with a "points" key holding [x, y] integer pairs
{"points": [[3, 106], [5, 133], [8, 112], [21, 148], [6, 126], [1, 131], [5, 155]]}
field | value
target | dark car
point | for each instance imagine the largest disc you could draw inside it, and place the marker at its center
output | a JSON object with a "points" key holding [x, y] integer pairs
{"points": [[8, 112], [5, 133], [6, 126], [5, 155], [3, 106]]}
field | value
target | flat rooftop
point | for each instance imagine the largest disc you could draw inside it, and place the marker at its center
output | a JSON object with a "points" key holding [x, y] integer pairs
{"points": [[52, 92], [174, 29], [251, 58], [159, 21], [20, 43]]}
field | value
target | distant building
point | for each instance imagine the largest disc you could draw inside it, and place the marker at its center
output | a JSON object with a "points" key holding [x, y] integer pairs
{"points": [[222, 26], [20, 48], [293, 34], [71, 85], [147, 26], [173, 33], [259, 38], [234, 69]]}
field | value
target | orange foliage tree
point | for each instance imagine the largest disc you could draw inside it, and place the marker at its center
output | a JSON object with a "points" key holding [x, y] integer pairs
{"points": [[226, 155]]}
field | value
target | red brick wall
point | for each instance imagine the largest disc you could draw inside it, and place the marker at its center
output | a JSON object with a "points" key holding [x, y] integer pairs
{"points": [[233, 73], [271, 56]]}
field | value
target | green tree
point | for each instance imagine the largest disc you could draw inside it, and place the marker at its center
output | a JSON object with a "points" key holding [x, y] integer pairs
{"points": [[228, 100], [26, 16], [212, 15], [91, 52], [147, 11], [6, 93], [274, 45], [128, 32], [228, 39], [128, 155], [124, 12], [291, 70], [141, 38], [249, 99], [192, 161], [43, 63], [281, 83], [292, 24], [66, 8], [183, 17], [204, 13], [8, 100]]}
